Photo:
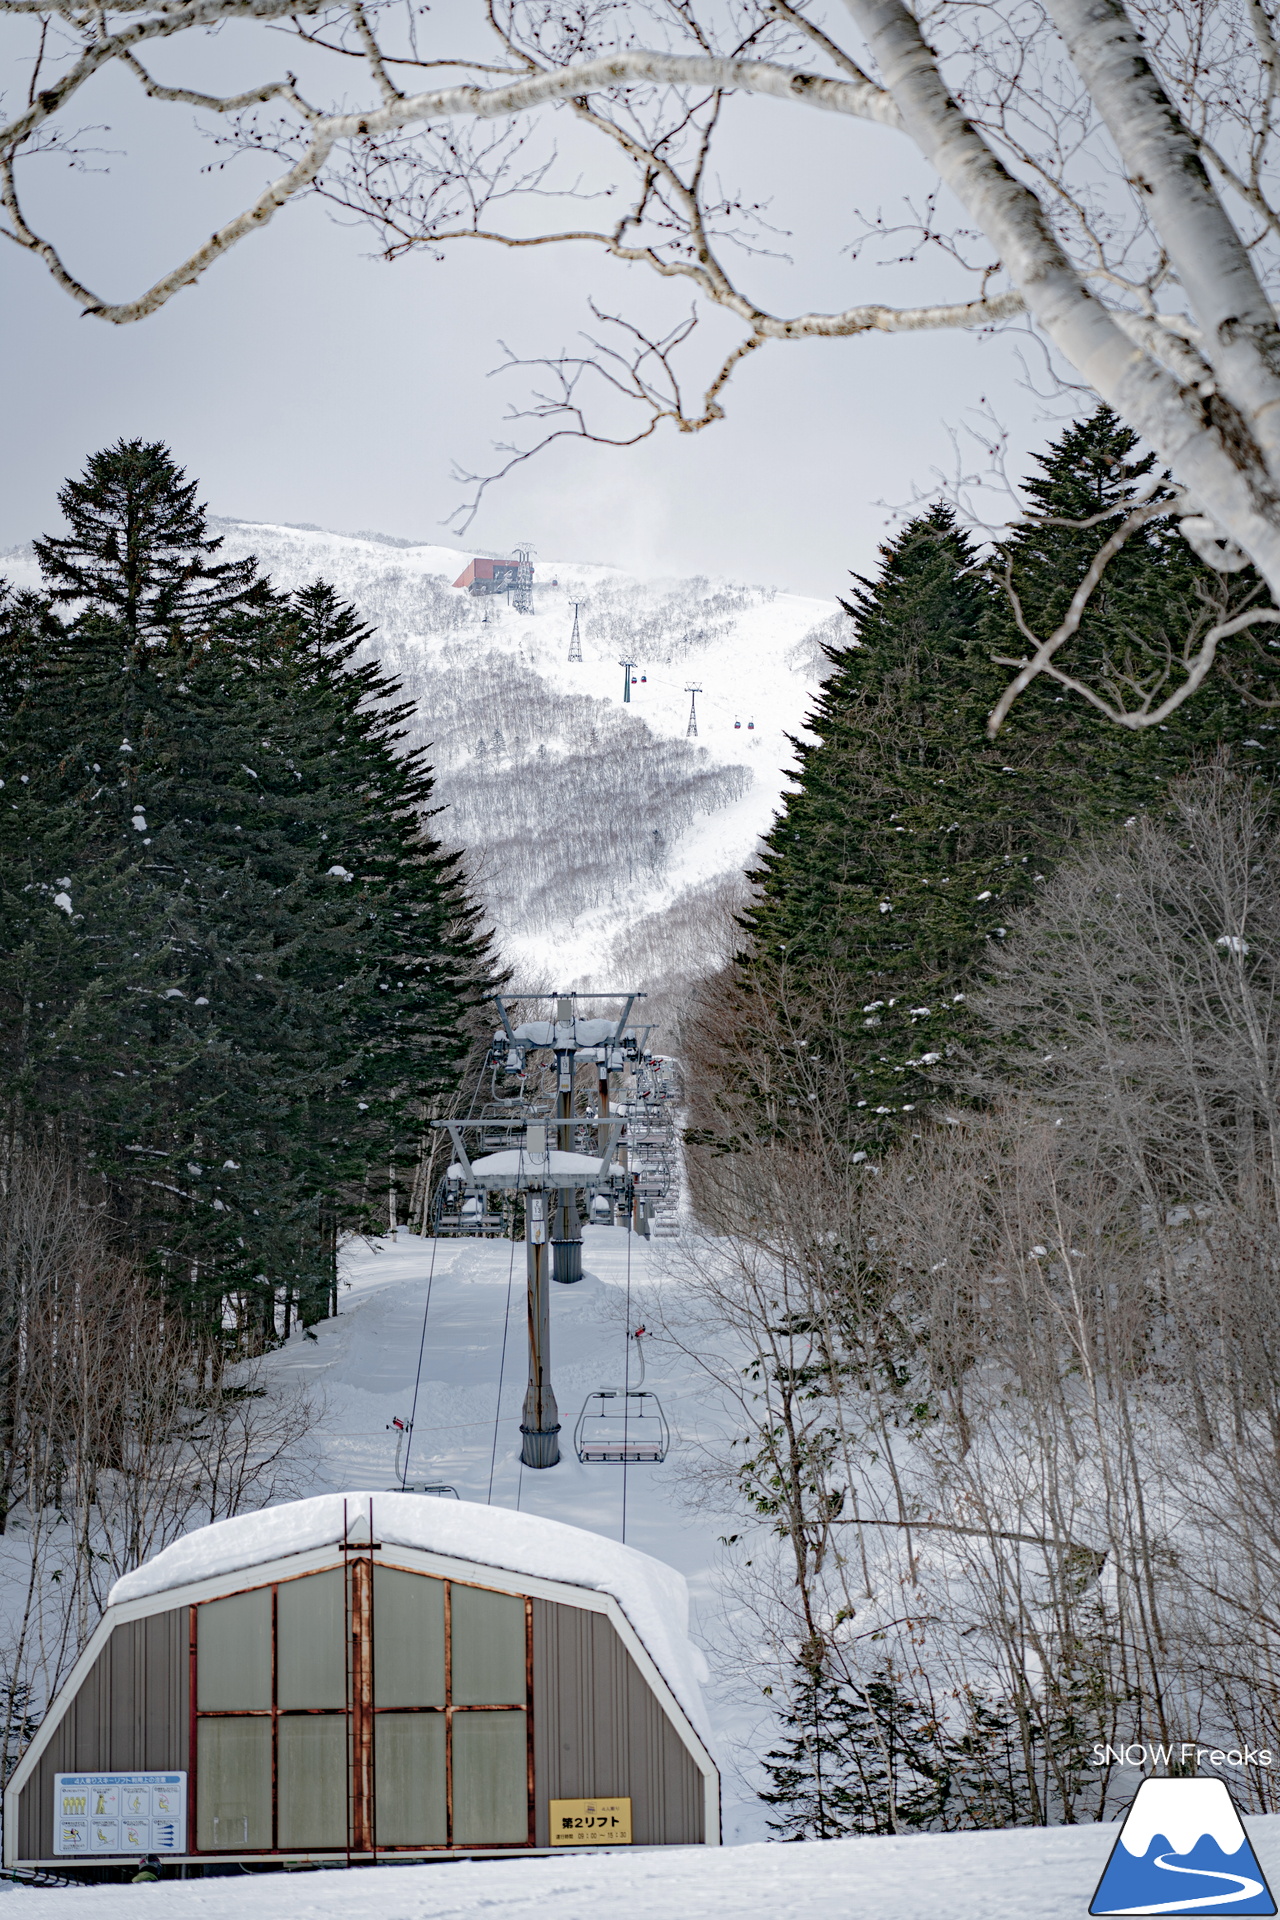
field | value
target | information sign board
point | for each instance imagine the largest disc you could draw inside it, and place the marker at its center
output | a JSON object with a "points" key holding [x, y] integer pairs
{"points": [[591, 1823], [101, 1813]]}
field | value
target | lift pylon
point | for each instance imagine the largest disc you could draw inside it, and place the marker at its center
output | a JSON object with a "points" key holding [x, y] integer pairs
{"points": [[567, 1036], [533, 1166]]}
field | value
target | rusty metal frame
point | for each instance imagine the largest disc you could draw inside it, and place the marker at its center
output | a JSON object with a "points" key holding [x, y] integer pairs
{"points": [[360, 1714], [360, 1697]]}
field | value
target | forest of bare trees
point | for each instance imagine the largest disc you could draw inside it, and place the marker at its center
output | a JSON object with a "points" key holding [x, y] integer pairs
{"points": [[119, 1428], [1012, 1387]]}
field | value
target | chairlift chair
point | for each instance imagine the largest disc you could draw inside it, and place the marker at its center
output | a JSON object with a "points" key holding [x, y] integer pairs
{"points": [[439, 1487], [617, 1428]]}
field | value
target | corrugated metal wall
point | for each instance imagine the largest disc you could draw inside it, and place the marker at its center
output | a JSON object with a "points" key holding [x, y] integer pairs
{"points": [[597, 1727], [130, 1715], [599, 1731]]}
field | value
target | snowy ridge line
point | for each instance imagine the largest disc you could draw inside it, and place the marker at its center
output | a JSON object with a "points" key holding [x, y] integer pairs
{"points": [[566, 799], [539, 760], [654, 1597]]}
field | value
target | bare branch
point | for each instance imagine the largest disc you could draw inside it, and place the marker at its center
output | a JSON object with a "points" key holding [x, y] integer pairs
{"points": [[1197, 668], [1029, 670]]}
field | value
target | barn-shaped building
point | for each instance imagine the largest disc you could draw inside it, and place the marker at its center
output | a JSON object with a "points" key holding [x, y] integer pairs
{"points": [[374, 1675]]}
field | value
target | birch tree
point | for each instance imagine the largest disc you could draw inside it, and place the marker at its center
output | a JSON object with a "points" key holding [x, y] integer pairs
{"points": [[1103, 173]]}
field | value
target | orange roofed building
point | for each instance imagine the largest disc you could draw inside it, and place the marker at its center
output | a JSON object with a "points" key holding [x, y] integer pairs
{"points": [[489, 576]]}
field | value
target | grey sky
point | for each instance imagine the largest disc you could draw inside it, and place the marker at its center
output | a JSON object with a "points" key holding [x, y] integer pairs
{"points": [[303, 380]]}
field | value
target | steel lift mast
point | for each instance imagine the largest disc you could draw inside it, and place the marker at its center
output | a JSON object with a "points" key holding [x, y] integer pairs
{"points": [[549, 1176], [535, 1168], [567, 1036]]}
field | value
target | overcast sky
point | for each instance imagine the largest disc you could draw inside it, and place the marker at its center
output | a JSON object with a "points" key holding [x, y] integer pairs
{"points": [[305, 380]]}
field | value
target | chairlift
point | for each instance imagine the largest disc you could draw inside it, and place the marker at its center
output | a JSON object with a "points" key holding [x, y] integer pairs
{"points": [[441, 1488], [620, 1427], [617, 1428]]}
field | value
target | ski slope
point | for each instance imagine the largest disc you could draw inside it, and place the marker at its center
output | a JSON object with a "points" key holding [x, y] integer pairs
{"points": [[582, 816], [755, 653], [1027, 1874], [363, 1367]]}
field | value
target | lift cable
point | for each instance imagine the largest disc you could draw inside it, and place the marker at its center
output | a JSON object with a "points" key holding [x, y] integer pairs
{"points": [[502, 1367], [422, 1347], [626, 1388]]}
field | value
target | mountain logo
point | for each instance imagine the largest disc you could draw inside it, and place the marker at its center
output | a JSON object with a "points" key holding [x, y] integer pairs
{"points": [[1182, 1850]]}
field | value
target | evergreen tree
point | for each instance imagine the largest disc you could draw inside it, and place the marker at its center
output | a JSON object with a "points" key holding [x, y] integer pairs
{"points": [[912, 837], [855, 1760], [262, 964], [139, 553], [872, 1759]]}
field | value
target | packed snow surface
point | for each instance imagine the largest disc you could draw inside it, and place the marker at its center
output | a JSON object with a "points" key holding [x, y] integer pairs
{"points": [[654, 1597], [363, 1366], [1033, 1873]]}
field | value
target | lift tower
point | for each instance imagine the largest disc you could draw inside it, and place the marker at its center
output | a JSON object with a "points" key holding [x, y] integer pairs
{"points": [[533, 1166], [567, 1036]]}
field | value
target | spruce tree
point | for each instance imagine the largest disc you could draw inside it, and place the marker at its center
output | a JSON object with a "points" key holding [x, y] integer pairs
{"points": [[913, 838], [266, 963], [139, 554], [873, 1759], [855, 1760]]}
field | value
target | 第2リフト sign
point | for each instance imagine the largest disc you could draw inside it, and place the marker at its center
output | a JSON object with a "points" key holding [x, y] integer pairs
{"points": [[591, 1823], [102, 1813]]}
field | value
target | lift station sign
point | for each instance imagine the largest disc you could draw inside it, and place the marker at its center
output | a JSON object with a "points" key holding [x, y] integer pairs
{"points": [[101, 1813], [590, 1823]]}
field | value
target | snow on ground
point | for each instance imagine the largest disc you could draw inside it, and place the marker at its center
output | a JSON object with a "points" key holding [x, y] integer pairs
{"points": [[752, 650], [1029, 1874], [363, 1365]]}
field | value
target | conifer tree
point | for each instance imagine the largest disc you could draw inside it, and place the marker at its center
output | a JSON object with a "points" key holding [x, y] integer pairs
{"points": [[873, 1759], [913, 837], [139, 552], [856, 1760], [264, 963]]}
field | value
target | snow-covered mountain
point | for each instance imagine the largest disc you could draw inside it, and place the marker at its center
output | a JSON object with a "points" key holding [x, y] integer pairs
{"points": [[605, 842]]}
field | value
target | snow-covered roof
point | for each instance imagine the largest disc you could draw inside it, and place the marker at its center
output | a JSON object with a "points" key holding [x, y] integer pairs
{"points": [[652, 1595], [513, 1164]]}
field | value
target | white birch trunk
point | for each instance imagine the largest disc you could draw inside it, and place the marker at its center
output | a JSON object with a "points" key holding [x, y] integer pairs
{"points": [[1217, 459]]}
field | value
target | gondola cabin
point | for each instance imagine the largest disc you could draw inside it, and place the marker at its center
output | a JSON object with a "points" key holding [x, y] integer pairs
{"points": [[370, 1676]]}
